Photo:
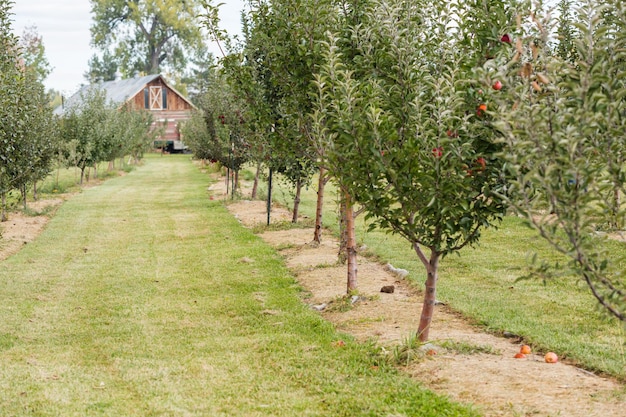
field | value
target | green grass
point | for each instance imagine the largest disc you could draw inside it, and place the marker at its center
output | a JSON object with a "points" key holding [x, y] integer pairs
{"points": [[482, 283], [135, 302]]}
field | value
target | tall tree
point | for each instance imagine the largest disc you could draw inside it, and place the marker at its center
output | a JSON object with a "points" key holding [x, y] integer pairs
{"points": [[102, 67], [146, 35]]}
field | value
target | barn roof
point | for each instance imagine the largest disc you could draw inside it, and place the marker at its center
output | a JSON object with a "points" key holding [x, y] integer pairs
{"points": [[117, 92]]}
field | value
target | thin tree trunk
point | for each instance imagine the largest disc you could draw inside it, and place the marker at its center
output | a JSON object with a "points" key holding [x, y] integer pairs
{"points": [[317, 234], [430, 291], [616, 209], [255, 186], [23, 192], [3, 209], [111, 166], [82, 175], [269, 197], [351, 245], [342, 257], [35, 197], [296, 202]]}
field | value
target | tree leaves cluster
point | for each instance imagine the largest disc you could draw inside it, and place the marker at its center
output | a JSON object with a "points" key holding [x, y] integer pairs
{"points": [[144, 35]]}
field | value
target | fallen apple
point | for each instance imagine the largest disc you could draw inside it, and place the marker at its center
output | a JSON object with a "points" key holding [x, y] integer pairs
{"points": [[519, 355], [525, 349], [551, 357]]}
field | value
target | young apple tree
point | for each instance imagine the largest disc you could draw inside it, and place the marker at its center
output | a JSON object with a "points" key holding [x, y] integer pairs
{"points": [[562, 119], [407, 131]]}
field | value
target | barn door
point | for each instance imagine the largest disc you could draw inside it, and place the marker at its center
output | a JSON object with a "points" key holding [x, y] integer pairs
{"points": [[156, 98]]}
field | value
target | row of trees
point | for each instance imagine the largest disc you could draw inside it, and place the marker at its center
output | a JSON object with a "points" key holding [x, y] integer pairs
{"points": [[33, 141], [437, 117]]}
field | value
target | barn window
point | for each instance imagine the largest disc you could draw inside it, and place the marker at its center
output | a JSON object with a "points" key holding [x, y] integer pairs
{"points": [[146, 98], [156, 98], [164, 98]]}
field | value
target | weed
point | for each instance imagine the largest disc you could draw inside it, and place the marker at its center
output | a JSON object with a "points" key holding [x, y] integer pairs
{"points": [[465, 348]]}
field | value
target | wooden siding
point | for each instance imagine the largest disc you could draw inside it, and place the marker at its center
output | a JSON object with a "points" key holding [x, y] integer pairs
{"points": [[174, 101], [170, 120]]}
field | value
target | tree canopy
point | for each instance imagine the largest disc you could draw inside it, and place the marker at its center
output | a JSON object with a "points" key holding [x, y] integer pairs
{"points": [[146, 35]]}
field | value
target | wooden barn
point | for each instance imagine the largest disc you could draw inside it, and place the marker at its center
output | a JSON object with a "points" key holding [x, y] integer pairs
{"points": [[150, 92]]}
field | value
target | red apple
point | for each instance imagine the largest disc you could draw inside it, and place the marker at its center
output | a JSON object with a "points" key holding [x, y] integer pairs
{"points": [[551, 357], [525, 349], [505, 38], [519, 355], [482, 164], [438, 152], [497, 85]]}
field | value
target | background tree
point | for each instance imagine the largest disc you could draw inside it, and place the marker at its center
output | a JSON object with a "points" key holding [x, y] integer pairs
{"points": [[33, 52], [146, 35], [102, 68]]}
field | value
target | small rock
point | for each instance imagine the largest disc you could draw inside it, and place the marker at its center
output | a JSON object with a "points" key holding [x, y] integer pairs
{"points": [[319, 307], [354, 299], [389, 289]]}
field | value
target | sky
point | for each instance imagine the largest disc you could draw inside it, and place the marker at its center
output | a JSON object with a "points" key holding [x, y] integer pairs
{"points": [[64, 26]]}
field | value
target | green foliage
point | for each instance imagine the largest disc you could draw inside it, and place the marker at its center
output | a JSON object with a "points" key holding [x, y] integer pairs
{"points": [[34, 53], [562, 122], [218, 131], [95, 131], [102, 68], [27, 130], [145, 35]]}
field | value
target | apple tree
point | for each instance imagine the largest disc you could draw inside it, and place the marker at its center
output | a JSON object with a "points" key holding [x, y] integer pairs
{"points": [[405, 125], [562, 119]]}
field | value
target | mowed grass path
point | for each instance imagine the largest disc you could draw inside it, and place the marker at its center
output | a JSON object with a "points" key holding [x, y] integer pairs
{"points": [[144, 298]]}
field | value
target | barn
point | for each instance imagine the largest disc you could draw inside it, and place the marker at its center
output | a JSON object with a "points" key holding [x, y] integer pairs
{"points": [[150, 92]]}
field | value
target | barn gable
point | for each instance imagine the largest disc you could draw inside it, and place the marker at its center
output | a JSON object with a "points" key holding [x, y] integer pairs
{"points": [[150, 92]]}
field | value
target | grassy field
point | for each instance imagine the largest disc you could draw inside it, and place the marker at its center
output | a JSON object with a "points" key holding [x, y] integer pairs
{"points": [[558, 315], [144, 298]]}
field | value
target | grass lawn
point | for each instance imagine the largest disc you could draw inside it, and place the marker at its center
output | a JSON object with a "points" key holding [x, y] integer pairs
{"points": [[481, 283], [144, 298]]}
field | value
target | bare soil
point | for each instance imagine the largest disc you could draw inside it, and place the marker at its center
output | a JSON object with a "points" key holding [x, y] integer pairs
{"points": [[493, 380], [22, 228]]}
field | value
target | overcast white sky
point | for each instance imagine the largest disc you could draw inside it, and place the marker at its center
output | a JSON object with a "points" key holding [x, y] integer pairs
{"points": [[64, 26]]}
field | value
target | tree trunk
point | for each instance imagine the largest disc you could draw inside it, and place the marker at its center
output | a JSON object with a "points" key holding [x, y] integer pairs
{"points": [[111, 166], [23, 192], [430, 291], [3, 208], [35, 197], [351, 245], [82, 175], [343, 234], [296, 202], [616, 209], [255, 186], [317, 234], [269, 197]]}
